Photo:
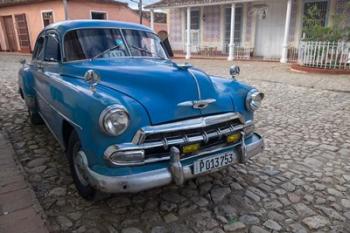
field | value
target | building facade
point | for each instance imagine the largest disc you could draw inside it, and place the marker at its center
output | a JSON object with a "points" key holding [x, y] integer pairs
{"points": [[22, 20], [242, 29]]}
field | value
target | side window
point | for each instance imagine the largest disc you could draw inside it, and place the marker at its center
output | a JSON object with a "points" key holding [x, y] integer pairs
{"points": [[52, 51], [38, 53]]}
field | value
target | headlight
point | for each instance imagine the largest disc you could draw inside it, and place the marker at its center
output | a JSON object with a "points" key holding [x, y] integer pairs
{"points": [[253, 99], [114, 120]]}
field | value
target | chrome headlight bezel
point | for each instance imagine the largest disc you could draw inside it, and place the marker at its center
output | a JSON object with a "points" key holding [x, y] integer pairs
{"points": [[105, 119], [253, 100]]}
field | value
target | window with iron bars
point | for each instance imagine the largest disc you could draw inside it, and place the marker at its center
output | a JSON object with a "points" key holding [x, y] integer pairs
{"points": [[315, 13]]}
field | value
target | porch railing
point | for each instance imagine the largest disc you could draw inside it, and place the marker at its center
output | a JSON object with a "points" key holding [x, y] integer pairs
{"points": [[240, 52], [326, 55]]}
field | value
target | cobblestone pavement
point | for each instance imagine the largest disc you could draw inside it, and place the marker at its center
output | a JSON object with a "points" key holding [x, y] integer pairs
{"points": [[301, 183]]}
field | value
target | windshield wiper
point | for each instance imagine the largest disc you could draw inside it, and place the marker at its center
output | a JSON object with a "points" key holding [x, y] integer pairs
{"points": [[106, 51], [146, 51]]}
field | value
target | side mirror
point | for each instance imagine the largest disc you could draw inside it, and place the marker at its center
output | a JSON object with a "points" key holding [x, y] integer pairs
{"points": [[234, 71], [22, 61], [92, 78]]}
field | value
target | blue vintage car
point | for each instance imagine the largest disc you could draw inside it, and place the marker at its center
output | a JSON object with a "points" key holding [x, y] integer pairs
{"points": [[129, 118]]}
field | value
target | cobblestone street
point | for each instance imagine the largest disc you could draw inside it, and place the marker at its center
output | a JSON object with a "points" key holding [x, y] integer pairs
{"points": [[300, 183]]}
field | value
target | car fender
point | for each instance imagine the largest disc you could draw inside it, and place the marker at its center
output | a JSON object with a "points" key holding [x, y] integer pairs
{"points": [[237, 91], [26, 87], [75, 102]]}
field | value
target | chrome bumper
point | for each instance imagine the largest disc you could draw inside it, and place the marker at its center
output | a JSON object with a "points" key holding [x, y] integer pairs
{"points": [[175, 173]]}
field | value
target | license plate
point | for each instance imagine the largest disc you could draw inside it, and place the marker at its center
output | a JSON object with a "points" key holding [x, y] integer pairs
{"points": [[214, 162]]}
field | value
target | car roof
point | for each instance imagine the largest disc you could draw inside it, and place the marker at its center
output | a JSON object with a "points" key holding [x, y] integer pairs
{"points": [[64, 26]]}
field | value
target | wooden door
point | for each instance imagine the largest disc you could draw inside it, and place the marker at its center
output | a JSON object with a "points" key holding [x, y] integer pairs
{"points": [[10, 33], [22, 31]]}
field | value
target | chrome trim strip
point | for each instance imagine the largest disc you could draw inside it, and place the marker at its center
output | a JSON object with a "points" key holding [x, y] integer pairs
{"points": [[58, 112], [197, 84], [146, 180], [200, 122], [197, 104]]}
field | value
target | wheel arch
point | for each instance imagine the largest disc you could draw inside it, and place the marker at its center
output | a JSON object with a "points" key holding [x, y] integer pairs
{"points": [[67, 129]]}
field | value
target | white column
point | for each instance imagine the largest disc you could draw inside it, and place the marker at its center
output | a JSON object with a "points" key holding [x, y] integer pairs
{"points": [[152, 19], [232, 33], [284, 57], [188, 45]]}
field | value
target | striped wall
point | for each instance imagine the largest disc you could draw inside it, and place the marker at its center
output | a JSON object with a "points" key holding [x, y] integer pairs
{"points": [[211, 24], [175, 25], [249, 26], [293, 21]]}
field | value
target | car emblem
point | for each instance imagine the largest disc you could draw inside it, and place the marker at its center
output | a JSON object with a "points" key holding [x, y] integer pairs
{"points": [[197, 104]]}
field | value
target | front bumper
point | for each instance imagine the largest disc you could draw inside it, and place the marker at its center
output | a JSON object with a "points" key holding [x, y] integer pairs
{"points": [[160, 177]]}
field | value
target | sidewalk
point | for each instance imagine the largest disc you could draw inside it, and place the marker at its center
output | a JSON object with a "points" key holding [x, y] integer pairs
{"points": [[18, 205]]}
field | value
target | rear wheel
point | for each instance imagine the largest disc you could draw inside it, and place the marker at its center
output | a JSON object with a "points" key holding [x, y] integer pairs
{"points": [[76, 166], [34, 117]]}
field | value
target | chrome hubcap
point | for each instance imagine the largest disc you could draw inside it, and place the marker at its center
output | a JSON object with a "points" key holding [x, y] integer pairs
{"points": [[79, 167]]}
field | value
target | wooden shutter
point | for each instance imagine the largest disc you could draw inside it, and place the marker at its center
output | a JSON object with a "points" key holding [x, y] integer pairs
{"points": [[23, 34]]}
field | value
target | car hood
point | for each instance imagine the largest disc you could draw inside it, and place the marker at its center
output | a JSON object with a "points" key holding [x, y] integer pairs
{"points": [[160, 86]]}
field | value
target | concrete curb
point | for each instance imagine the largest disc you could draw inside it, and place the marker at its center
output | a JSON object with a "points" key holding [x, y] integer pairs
{"points": [[20, 211]]}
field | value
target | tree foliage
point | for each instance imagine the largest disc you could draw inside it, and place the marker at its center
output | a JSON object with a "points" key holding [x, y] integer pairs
{"points": [[314, 29]]}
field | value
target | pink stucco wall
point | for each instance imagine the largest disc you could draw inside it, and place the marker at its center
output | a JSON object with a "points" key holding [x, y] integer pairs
{"points": [[33, 15], [77, 9], [82, 10]]}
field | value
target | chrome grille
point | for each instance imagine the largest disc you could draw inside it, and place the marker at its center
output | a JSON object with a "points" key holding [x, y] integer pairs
{"points": [[213, 129], [209, 133]]}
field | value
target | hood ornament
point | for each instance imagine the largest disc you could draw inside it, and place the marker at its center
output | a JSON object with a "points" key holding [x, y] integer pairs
{"points": [[92, 78], [197, 104], [183, 66], [234, 71]]}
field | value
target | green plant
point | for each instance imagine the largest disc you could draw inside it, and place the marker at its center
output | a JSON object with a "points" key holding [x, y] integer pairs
{"points": [[314, 29]]}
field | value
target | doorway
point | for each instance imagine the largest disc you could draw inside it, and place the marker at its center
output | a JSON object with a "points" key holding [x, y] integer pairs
{"points": [[270, 29], [195, 29], [10, 34]]}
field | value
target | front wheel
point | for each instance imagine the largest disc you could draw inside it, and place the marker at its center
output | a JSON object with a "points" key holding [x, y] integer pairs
{"points": [[76, 167]]}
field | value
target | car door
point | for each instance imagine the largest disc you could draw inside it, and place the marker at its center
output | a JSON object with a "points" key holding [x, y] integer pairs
{"points": [[37, 71], [46, 80], [53, 80]]}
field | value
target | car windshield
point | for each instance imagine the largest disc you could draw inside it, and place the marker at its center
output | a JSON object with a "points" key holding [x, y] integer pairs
{"points": [[109, 43], [143, 43]]}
